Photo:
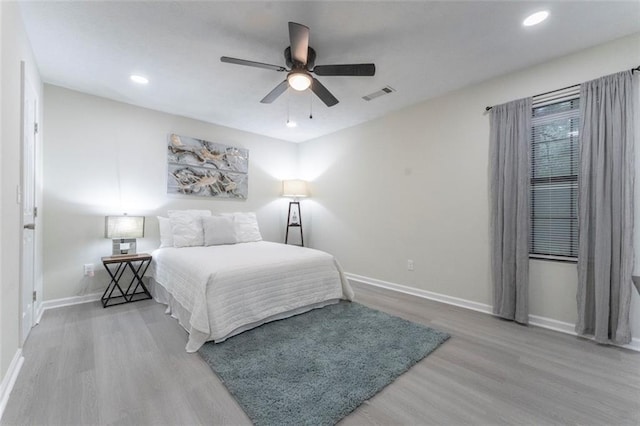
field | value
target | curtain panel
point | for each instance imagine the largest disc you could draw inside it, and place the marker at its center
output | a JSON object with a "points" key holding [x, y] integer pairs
{"points": [[509, 169], [605, 208]]}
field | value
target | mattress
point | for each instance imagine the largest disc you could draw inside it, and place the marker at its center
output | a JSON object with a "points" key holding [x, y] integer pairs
{"points": [[219, 291]]}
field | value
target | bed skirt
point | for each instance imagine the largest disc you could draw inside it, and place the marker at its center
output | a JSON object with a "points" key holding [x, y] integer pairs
{"points": [[198, 338]]}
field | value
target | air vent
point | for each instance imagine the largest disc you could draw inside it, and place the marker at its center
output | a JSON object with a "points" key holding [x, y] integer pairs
{"points": [[384, 91]]}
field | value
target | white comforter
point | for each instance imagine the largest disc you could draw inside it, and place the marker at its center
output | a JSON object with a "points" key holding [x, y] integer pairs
{"points": [[225, 288]]}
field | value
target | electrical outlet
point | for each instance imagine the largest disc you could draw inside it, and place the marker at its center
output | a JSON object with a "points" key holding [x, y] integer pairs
{"points": [[410, 265], [88, 270]]}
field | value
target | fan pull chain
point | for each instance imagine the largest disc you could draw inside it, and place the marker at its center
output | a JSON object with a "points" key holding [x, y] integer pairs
{"points": [[310, 105], [290, 123]]}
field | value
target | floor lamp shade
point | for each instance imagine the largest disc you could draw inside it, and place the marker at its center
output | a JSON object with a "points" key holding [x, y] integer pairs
{"points": [[295, 188]]}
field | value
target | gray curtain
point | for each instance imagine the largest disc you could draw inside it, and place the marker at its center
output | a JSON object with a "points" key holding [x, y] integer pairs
{"points": [[509, 169], [605, 208]]}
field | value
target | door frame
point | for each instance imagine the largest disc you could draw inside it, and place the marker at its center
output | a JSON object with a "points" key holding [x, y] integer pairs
{"points": [[27, 85]]}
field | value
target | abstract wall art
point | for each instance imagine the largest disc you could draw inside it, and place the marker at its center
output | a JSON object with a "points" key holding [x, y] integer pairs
{"points": [[206, 169]]}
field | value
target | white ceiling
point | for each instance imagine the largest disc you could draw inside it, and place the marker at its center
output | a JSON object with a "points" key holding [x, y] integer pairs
{"points": [[421, 49]]}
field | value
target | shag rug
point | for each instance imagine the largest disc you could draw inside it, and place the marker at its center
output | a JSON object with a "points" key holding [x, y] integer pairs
{"points": [[317, 367]]}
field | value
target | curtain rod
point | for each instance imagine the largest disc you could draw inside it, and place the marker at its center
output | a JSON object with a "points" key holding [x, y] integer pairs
{"points": [[564, 88]]}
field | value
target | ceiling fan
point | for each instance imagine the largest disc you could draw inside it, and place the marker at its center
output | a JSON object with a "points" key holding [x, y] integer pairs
{"points": [[300, 58]]}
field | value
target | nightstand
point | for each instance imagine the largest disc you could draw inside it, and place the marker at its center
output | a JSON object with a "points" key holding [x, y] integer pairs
{"points": [[116, 267]]}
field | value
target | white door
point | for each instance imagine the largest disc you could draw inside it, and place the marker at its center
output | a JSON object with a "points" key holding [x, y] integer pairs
{"points": [[29, 134]]}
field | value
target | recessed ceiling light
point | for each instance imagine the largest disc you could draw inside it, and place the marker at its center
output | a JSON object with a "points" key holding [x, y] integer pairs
{"points": [[139, 79], [291, 124], [535, 18]]}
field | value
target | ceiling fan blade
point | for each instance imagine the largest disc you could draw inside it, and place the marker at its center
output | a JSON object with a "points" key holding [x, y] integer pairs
{"points": [[251, 63], [360, 70], [273, 95], [299, 38], [324, 94]]}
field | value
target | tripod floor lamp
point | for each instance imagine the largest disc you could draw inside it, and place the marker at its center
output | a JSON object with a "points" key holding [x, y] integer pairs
{"points": [[294, 189]]}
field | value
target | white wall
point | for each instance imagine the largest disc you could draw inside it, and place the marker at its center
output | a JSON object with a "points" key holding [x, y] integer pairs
{"points": [[104, 157], [413, 185], [15, 48]]}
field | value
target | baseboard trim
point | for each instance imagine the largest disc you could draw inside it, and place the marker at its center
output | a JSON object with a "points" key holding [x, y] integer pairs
{"points": [[568, 328], [634, 345], [438, 297], [67, 301], [9, 380], [535, 320], [551, 324], [39, 312]]}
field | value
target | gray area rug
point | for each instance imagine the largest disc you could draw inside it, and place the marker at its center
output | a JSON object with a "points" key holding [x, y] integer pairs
{"points": [[315, 368]]}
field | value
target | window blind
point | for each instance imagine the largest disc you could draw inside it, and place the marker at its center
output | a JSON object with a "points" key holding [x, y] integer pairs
{"points": [[554, 176]]}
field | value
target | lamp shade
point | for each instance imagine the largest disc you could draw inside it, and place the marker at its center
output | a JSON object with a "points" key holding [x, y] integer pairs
{"points": [[124, 227], [295, 188]]}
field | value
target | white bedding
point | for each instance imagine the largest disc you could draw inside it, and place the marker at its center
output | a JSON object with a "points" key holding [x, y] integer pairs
{"points": [[227, 288]]}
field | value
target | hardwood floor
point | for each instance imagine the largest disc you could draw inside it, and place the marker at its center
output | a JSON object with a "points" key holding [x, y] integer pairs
{"points": [[127, 365]]}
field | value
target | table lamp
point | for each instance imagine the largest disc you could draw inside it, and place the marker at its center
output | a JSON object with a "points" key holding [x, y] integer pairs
{"points": [[124, 230]]}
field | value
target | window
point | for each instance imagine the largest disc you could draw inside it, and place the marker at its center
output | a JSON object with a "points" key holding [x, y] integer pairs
{"points": [[554, 178]]}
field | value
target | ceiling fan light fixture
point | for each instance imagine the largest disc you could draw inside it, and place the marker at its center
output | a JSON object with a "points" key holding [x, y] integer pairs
{"points": [[300, 58], [299, 81]]}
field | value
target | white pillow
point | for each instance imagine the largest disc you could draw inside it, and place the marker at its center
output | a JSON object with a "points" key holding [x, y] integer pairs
{"points": [[166, 236], [186, 227], [219, 230], [246, 227]]}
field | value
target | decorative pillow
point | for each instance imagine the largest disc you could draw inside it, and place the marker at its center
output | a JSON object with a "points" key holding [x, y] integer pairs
{"points": [[186, 227], [166, 236], [246, 227], [219, 229]]}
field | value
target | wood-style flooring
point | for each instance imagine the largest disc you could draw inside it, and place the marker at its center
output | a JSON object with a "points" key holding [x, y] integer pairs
{"points": [[126, 364]]}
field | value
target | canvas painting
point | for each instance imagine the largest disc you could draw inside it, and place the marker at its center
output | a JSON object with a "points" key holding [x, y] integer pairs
{"points": [[206, 169]]}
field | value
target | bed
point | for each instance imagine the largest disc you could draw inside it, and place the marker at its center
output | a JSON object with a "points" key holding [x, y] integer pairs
{"points": [[218, 291]]}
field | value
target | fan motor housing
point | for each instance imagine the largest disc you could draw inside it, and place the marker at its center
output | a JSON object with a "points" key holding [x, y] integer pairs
{"points": [[311, 59]]}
